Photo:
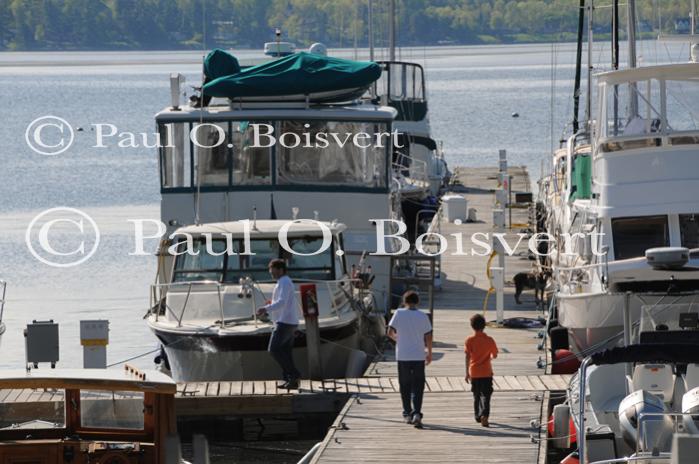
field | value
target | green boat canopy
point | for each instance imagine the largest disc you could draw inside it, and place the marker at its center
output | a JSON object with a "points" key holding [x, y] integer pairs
{"points": [[581, 187], [301, 73]]}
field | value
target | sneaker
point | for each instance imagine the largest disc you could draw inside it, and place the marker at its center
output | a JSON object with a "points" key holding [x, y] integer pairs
{"points": [[292, 384], [417, 420], [407, 418]]}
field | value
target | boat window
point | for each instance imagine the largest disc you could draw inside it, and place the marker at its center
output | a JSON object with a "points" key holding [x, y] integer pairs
{"points": [[341, 162], [12, 415], [106, 409], [633, 109], [315, 267], [634, 235], [232, 265], [199, 264], [683, 105], [175, 155], [251, 165], [211, 142], [689, 230]]}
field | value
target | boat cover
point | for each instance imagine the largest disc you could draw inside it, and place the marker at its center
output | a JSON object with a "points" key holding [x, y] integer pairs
{"points": [[300, 73]]}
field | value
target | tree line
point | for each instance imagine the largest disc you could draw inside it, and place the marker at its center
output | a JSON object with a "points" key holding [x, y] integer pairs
{"points": [[182, 24]]}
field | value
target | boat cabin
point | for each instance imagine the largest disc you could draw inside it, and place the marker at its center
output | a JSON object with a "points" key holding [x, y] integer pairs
{"points": [[56, 416]]}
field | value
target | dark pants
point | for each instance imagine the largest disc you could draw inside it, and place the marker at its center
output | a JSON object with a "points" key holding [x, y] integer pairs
{"points": [[411, 378], [280, 345], [482, 389]]}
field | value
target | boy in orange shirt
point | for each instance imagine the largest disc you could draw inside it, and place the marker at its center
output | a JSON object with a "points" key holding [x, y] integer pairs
{"points": [[480, 349]]}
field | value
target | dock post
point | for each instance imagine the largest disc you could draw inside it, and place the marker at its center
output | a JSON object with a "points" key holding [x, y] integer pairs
{"points": [[309, 304], [499, 282], [200, 448]]}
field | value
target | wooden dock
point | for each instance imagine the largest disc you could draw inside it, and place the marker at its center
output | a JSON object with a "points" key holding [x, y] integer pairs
{"points": [[370, 427]]}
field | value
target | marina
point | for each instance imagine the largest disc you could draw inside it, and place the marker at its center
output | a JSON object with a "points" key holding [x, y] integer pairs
{"points": [[343, 254]]}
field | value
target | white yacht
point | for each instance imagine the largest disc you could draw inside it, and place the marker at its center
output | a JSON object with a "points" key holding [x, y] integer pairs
{"points": [[204, 314], [644, 191]]}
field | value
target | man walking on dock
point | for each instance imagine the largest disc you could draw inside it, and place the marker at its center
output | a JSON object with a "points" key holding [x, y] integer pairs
{"points": [[410, 328], [480, 349], [284, 313]]}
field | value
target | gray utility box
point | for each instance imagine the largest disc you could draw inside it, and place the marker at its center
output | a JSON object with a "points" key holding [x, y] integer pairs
{"points": [[41, 342]]}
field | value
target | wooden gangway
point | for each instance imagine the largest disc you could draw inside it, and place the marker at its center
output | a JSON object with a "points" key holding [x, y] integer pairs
{"points": [[370, 427]]}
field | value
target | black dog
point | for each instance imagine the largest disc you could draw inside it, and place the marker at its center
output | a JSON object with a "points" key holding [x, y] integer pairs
{"points": [[530, 280]]}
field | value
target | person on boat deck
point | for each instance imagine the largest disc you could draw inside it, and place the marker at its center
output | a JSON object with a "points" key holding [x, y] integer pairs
{"points": [[410, 328], [480, 349], [284, 313]]}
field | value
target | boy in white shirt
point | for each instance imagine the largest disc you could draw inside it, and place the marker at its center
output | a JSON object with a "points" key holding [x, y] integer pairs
{"points": [[410, 328]]}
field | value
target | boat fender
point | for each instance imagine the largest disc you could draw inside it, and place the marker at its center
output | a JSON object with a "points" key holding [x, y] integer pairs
{"points": [[564, 362], [560, 427], [558, 339]]}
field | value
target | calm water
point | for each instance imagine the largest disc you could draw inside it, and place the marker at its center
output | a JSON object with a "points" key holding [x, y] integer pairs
{"points": [[473, 91]]}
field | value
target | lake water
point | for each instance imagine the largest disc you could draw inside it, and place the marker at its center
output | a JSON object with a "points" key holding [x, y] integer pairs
{"points": [[472, 93]]}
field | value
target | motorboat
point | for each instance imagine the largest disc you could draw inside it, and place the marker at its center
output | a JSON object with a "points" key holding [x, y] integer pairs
{"points": [[86, 415], [204, 314], [627, 403], [640, 206]]}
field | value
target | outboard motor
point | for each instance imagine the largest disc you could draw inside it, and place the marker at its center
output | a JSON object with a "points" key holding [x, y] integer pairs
{"points": [[634, 420], [690, 405]]}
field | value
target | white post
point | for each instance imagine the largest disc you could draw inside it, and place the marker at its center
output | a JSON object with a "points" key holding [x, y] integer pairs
{"points": [[200, 447], [498, 274], [94, 337]]}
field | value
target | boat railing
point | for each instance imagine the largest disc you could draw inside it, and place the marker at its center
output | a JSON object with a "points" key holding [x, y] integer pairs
{"points": [[577, 274], [3, 288], [248, 286], [417, 169], [643, 458]]}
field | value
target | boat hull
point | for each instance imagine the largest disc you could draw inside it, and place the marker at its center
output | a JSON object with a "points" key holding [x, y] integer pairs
{"points": [[213, 357], [595, 321]]}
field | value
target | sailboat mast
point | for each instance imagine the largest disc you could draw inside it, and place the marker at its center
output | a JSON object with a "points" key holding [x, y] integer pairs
{"points": [[615, 60], [588, 99], [631, 27], [631, 38], [578, 67], [392, 32], [371, 30]]}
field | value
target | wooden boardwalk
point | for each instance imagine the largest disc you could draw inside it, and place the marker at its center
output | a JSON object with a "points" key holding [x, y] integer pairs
{"points": [[370, 429]]}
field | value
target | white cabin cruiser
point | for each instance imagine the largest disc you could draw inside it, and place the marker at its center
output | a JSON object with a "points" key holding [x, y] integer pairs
{"points": [[204, 315], [643, 191]]}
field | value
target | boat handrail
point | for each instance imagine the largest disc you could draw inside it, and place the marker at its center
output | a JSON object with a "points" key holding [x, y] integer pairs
{"points": [[646, 458], [159, 292], [3, 289], [418, 174]]}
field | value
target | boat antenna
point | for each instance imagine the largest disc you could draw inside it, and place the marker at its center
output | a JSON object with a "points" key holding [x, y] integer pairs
{"points": [[578, 67]]}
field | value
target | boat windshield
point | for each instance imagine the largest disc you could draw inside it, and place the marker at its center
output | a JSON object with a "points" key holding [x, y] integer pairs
{"points": [[634, 235], [104, 409], [226, 262], [18, 402], [236, 155], [653, 106]]}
